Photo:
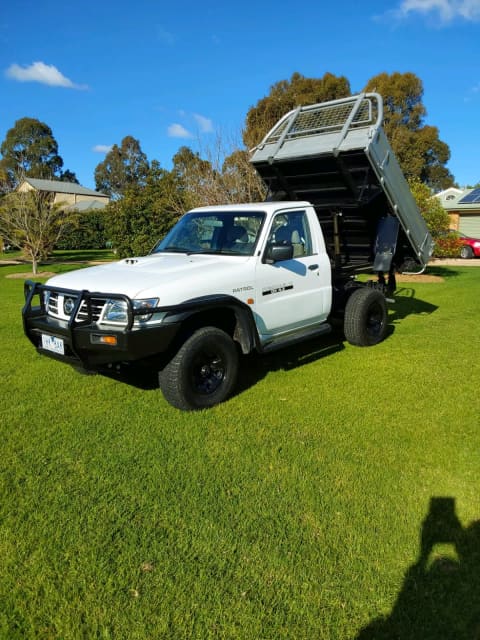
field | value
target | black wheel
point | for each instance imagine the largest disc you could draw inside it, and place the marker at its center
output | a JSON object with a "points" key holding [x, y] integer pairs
{"points": [[203, 372], [466, 251], [365, 322]]}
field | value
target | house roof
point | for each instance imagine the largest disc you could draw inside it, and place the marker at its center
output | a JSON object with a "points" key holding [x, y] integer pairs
{"points": [[87, 205], [62, 187], [452, 198], [451, 191]]}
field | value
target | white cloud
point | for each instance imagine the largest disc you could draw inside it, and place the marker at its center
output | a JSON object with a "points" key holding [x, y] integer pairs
{"points": [[205, 124], [446, 10], [164, 36], [102, 148], [178, 131], [472, 93], [193, 122], [43, 73]]}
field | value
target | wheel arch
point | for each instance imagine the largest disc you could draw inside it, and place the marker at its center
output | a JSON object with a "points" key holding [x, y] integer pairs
{"points": [[224, 312]]}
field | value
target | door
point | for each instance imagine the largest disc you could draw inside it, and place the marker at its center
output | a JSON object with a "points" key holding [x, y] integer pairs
{"points": [[293, 293]]}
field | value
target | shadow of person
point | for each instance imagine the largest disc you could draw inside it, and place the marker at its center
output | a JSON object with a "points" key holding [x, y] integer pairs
{"points": [[440, 597]]}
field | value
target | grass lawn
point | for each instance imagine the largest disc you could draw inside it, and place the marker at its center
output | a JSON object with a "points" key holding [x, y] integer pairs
{"points": [[294, 510]]}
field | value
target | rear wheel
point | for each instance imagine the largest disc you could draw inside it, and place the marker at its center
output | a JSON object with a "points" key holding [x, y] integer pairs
{"points": [[203, 372], [365, 322], [466, 251]]}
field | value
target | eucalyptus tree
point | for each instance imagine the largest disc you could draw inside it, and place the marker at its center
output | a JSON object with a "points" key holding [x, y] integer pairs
{"points": [[136, 221], [285, 95], [29, 150], [124, 166], [416, 144], [419, 150]]}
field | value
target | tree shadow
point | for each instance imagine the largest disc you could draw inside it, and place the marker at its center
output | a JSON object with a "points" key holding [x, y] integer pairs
{"points": [[80, 255], [440, 597]]}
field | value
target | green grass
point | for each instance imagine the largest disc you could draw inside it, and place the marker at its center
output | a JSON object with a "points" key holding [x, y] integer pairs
{"points": [[59, 256], [294, 510], [82, 255]]}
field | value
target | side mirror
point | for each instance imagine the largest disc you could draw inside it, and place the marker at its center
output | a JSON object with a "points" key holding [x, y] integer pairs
{"points": [[278, 252]]}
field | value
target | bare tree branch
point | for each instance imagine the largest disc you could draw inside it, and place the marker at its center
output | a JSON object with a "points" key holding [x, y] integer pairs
{"points": [[31, 221]]}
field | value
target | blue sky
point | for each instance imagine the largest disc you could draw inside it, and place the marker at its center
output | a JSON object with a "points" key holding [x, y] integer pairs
{"points": [[182, 72]]}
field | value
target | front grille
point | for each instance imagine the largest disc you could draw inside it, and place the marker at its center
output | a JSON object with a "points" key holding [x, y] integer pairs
{"points": [[96, 306], [52, 307], [55, 307]]}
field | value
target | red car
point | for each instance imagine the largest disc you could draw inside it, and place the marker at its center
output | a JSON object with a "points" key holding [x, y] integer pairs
{"points": [[470, 248]]}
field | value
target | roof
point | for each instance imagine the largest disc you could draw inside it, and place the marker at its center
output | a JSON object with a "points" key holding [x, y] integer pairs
{"points": [[255, 207], [62, 187], [87, 205], [471, 198], [451, 191], [454, 199]]}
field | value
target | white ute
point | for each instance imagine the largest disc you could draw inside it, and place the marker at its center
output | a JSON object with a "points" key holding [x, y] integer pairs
{"points": [[229, 280]]}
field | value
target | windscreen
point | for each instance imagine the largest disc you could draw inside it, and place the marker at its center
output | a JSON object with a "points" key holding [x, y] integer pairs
{"points": [[214, 232]]}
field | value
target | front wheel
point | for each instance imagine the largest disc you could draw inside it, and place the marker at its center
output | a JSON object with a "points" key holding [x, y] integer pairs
{"points": [[203, 372], [365, 322]]}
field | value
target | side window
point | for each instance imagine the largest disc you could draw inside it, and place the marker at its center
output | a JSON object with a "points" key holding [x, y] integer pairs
{"points": [[292, 227]]}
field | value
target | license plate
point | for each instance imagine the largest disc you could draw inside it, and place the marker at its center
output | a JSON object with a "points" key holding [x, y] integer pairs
{"points": [[52, 343]]}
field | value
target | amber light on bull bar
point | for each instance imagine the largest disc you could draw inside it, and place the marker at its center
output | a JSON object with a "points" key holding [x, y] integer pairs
{"points": [[99, 338]]}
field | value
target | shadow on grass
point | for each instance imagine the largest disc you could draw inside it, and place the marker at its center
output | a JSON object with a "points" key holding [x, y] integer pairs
{"points": [[407, 304], [135, 374], [442, 272], [81, 255], [255, 367], [440, 597]]}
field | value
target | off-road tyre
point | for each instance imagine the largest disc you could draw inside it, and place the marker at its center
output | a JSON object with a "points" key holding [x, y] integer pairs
{"points": [[365, 321], [203, 371]]}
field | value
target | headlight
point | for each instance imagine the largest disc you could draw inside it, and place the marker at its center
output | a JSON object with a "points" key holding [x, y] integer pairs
{"points": [[148, 303], [115, 311]]}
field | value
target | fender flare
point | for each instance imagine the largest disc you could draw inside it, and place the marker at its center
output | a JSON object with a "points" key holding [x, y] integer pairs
{"points": [[245, 332]]}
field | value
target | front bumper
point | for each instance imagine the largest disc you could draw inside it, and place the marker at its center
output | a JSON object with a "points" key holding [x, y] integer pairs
{"points": [[80, 338]]}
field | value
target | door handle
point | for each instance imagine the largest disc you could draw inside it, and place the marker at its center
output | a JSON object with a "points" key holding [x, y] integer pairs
{"points": [[312, 267]]}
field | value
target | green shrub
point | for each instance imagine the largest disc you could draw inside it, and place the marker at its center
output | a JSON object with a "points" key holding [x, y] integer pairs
{"points": [[87, 232], [434, 214], [447, 246]]}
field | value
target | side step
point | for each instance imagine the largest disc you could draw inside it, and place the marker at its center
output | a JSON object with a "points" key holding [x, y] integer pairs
{"points": [[289, 339]]}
